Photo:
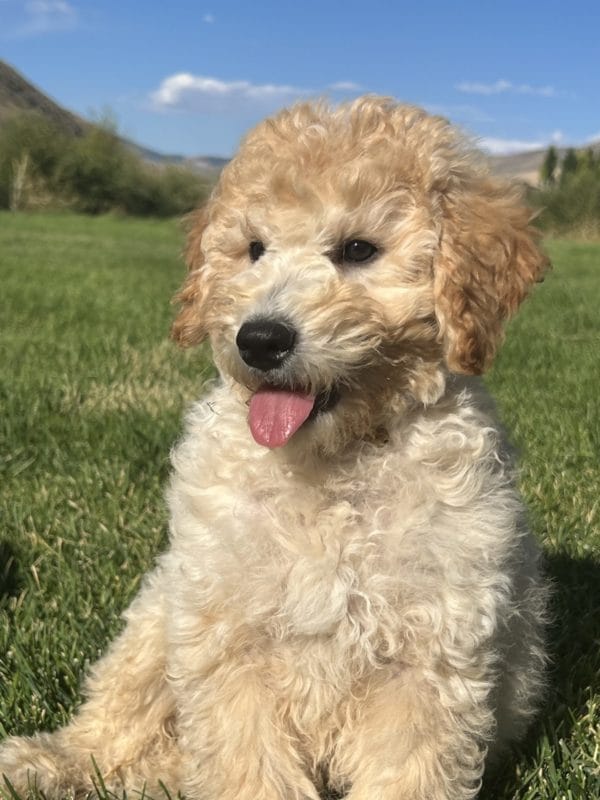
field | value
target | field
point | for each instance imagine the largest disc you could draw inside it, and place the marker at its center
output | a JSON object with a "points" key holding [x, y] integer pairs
{"points": [[92, 395]]}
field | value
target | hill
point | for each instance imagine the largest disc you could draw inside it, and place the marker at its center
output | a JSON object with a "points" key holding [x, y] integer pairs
{"points": [[17, 94]]}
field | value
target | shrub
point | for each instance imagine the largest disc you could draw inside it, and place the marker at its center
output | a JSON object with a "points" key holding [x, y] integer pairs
{"points": [[31, 147], [90, 170], [147, 190], [94, 173]]}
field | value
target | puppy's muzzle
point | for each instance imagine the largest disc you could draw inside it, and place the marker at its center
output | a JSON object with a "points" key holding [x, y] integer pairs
{"points": [[265, 343]]}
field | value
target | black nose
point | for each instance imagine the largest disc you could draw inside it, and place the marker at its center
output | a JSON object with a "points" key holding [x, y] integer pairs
{"points": [[264, 343]]}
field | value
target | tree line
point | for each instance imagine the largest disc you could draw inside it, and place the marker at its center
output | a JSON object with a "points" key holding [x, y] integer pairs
{"points": [[569, 191], [43, 167]]}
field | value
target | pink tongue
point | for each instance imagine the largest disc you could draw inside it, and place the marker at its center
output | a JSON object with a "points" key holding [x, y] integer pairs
{"points": [[276, 415]]}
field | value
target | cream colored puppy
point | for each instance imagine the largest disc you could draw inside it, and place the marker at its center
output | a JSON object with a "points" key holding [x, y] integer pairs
{"points": [[350, 598]]}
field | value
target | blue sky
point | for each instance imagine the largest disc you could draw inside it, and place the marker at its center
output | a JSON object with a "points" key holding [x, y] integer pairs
{"points": [[190, 77]]}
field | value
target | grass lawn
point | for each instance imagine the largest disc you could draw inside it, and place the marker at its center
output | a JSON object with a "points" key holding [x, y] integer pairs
{"points": [[91, 398]]}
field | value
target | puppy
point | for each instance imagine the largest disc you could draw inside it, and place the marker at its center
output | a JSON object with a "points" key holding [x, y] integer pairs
{"points": [[351, 599]]}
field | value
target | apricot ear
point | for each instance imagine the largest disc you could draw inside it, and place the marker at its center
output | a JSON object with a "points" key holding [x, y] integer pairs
{"points": [[188, 327], [488, 259]]}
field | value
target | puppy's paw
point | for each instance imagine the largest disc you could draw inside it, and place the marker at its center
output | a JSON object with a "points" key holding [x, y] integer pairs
{"points": [[29, 766]]}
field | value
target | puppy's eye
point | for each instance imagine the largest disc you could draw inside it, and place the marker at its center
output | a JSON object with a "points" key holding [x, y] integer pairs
{"points": [[357, 251], [255, 250]]}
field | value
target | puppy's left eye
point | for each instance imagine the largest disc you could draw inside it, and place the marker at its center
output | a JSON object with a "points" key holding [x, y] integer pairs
{"points": [[357, 251]]}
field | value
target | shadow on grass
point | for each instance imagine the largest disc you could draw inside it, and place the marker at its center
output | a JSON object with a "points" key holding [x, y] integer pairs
{"points": [[575, 664], [11, 578]]}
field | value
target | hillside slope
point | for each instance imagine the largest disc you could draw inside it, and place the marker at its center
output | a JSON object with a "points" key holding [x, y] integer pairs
{"points": [[18, 94]]}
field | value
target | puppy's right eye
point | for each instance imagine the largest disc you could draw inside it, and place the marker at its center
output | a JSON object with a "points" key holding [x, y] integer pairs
{"points": [[255, 250]]}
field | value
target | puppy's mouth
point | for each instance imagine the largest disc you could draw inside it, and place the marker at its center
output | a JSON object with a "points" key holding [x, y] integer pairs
{"points": [[277, 413]]}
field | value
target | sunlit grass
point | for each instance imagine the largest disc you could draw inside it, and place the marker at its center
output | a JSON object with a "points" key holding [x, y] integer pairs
{"points": [[92, 395]]}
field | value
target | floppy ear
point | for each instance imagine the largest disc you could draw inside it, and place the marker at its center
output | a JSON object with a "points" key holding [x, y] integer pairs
{"points": [[487, 261], [189, 325]]}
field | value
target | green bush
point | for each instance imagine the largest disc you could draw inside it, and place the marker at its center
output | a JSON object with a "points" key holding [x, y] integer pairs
{"points": [[94, 173], [29, 141], [90, 170], [158, 191]]}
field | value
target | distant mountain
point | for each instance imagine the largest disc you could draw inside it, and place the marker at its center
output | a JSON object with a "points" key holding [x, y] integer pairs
{"points": [[17, 94], [520, 166]]}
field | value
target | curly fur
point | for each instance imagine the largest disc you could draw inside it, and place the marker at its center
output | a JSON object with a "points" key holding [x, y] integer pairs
{"points": [[361, 608]]}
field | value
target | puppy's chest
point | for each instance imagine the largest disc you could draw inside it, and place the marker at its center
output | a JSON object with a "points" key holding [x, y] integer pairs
{"points": [[316, 557]]}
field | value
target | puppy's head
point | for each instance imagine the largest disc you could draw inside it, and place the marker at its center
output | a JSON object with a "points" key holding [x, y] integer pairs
{"points": [[346, 262]]}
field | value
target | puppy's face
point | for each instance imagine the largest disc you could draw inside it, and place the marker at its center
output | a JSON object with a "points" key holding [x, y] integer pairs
{"points": [[346, 261]]}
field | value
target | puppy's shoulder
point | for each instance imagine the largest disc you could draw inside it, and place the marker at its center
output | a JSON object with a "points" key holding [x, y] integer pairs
{"points": [[461, 429]]}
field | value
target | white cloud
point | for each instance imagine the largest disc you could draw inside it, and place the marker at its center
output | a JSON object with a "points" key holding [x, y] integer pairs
{"points": [[187, 92], [505, 87], [506, 147], [44, 16], [345, 86], [51, 13], [48, 7], [203, 94], [470, 87]]}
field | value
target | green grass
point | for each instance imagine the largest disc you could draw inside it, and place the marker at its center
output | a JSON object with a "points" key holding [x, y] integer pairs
{"points": [[92, 395]]}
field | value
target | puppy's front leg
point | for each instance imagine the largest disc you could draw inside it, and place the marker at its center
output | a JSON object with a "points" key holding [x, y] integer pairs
{"points": [[234, 744], [419, 738], [125, 727]]}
